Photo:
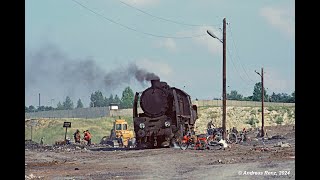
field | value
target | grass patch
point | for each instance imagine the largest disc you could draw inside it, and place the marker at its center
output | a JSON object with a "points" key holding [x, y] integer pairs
{"points": [[279, 120], [53, 130], [274, 108], [252, 121]]}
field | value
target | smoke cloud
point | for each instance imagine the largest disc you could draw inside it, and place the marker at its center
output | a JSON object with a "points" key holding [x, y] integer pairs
{"points": [[51, 69], [126, 74]]}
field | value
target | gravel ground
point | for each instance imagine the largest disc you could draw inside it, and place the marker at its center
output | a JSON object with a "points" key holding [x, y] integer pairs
{"points": [[250, 160]]}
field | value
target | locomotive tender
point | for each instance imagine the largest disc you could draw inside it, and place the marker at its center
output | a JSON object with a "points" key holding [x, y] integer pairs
{"points": [[167, 115]]}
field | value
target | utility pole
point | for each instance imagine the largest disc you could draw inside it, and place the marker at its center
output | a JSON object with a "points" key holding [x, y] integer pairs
{"points": [[39, 100], [224, 103], [262, 100], [224, 77]]}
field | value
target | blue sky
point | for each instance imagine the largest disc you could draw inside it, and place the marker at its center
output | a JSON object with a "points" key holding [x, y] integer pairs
{"points": [[63, 34]]}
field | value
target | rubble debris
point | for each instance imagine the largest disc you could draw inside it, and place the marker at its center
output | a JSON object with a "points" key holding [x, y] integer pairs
{"points": [[282, 144], [260, 149], [276, 137], [31, 176], [223, 142]]}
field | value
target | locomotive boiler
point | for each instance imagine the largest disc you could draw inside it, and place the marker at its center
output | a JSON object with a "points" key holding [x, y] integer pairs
{"points": [[168, 115]]}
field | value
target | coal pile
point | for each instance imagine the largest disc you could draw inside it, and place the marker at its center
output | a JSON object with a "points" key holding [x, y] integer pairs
{"points": [[29, 144], [34, 146]]}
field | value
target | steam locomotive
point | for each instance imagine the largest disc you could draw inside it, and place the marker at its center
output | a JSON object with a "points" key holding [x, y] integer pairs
{"points": [[167, 115]]}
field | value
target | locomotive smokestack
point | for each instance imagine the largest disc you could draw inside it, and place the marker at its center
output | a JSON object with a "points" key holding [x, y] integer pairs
{"points": [[155, 83]]}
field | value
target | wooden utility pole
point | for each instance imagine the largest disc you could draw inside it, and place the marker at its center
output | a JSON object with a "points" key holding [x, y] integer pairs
{"points": [[224, 77], [224, 103], [262, 100]]}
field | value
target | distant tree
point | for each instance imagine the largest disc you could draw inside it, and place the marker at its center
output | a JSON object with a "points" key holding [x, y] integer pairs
{"points": [[110, 100], [127, 98], [275, 97], [41, 108], [97, 99], [282, 97], [79, 104], [59, 106], [26, 109], [293, 97], [31, 108], [294, 94], [249, 98], [117, 100], [48, 108], [234, 96], [68, 104], [257, 92], [106, 101]]}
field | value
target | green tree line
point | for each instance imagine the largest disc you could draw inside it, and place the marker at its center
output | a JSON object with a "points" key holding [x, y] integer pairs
{"points": [[97, 99], [256, 96]]}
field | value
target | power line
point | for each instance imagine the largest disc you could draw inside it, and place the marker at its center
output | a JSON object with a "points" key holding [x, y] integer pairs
{"points": [[165, 19], [246, 87], [238, 54], [133, 29], [236, 67]]}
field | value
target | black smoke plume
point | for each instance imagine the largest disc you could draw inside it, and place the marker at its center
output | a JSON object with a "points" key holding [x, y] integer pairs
{"points": [[51, 69]]}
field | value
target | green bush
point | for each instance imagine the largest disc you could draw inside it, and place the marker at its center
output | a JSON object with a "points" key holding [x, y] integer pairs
{"points": [[274, 108], [279, 120], [252, 121]]}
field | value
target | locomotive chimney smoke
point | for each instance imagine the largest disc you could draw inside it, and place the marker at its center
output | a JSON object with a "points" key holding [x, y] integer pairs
{"points": [[124, 75], [141, 74], [51, 70]]}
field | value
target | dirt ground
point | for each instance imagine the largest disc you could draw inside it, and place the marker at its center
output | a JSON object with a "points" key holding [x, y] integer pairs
{"points": [[255, 159]]}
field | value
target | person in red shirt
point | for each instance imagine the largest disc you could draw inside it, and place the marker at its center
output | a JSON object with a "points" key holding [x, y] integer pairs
{"points": [[87, 137]]}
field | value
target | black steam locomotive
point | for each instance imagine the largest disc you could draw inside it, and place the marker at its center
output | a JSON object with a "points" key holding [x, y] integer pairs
{"points": [[167, 115]]}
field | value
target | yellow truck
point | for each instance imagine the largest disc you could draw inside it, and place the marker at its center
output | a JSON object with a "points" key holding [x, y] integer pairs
{"points": [[120, 136]]}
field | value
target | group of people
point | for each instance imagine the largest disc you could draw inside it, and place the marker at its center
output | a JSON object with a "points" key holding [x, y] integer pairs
{"points": [[86, 136], [211, 130]]}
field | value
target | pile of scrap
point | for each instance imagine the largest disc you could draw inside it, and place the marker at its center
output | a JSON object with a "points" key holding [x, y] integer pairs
{"points": [[282, 144]]}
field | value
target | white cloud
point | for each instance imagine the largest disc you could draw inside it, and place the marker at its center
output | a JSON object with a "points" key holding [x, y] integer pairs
{"points": [[168, 44], [142, 3], [281, 18], [213, 45], [159, 68]]}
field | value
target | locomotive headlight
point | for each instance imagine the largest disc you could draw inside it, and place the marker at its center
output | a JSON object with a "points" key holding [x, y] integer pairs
{"points": [[167, 124], [142, 125]]}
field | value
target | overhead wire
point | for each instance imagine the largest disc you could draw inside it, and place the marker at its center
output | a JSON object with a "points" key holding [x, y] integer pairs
{"points": [[235, 67], [234, 44], [133, 29], [165, 19], [247, 84]]}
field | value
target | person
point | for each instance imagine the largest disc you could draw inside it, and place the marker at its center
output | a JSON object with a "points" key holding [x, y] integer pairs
{"points": [[210, 125], [41, 141], [120, 141], [77, 136], [68, 140], [87, 137], [234, 130]]}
